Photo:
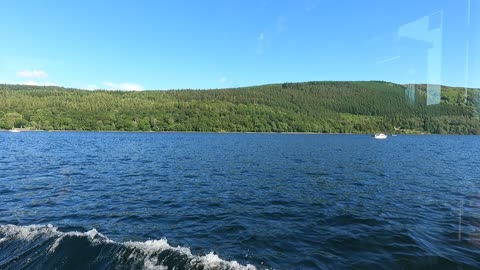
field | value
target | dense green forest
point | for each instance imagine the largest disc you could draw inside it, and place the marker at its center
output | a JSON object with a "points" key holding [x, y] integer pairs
{"points": [[326, 107]]}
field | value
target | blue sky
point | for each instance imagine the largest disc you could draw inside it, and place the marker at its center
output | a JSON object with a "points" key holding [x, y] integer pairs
{"points": [[136, 45]]}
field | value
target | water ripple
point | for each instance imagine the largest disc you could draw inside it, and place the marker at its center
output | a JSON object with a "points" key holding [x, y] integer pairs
{"points": [[270, 200]]}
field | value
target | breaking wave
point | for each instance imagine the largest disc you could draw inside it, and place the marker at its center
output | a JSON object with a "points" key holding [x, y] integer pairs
{"points": [[45, 247]]}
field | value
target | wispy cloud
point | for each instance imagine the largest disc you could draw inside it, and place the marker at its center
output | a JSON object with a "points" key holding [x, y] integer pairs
{"points": [[34, 77], [223, 80], [32, 83], [261, 37], [388, 59], [91, 87], [261, 41], [124, 86], [32, 74], [310, 5]]}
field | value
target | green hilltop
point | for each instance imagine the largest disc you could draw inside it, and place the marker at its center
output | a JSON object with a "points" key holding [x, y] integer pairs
{"points": [[324, 107]]}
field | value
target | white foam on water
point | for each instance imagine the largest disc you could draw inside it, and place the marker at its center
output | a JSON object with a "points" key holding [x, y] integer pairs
{"points": [[210, 261], [148, 249], [93, 235], [27, 233], [153, 246], [30, 232]]}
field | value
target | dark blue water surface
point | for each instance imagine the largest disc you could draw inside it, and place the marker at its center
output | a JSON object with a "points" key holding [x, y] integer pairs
{"points": [[233, 201]]}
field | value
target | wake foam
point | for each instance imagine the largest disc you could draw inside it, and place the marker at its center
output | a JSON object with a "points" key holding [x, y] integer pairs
{"points": [[44, 246]]}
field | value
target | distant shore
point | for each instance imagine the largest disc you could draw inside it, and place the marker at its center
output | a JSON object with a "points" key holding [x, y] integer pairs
{"points": [[206, 132], [299, 108]]}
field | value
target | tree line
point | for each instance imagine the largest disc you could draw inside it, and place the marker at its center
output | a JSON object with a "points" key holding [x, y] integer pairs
{"points": [[325, 107]]}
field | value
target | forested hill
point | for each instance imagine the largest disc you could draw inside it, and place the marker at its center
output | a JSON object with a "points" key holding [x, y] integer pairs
{"points": [[327, 107]]}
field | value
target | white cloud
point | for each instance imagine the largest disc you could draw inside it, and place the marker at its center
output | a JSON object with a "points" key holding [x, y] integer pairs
{"points": [[33, 83], [124, 86], [50, 84], [30, 82], [37, 83], [91, 87], [32, 74], [223, 79], [7, 82]]}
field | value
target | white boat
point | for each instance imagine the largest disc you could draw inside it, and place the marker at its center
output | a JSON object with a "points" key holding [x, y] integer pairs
{"points": [[380, 136], [14, 130]]}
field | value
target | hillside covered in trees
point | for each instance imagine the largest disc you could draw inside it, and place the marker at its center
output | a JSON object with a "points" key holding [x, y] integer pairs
{"points": [[325, 107]]}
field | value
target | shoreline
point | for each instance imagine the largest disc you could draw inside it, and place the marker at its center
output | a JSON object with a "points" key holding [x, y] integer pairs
{"points": [[223, 132], [179, 131]]}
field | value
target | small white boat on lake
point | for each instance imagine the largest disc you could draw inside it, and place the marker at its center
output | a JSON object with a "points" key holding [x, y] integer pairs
{"points": [[380, 136], [14, 130]]}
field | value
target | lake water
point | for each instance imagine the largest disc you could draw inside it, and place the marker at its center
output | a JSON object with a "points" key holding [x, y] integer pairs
{"points": [[76, 200]]}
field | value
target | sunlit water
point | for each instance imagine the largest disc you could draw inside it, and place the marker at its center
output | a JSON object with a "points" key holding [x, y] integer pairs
{"points": [[232, 201]]}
